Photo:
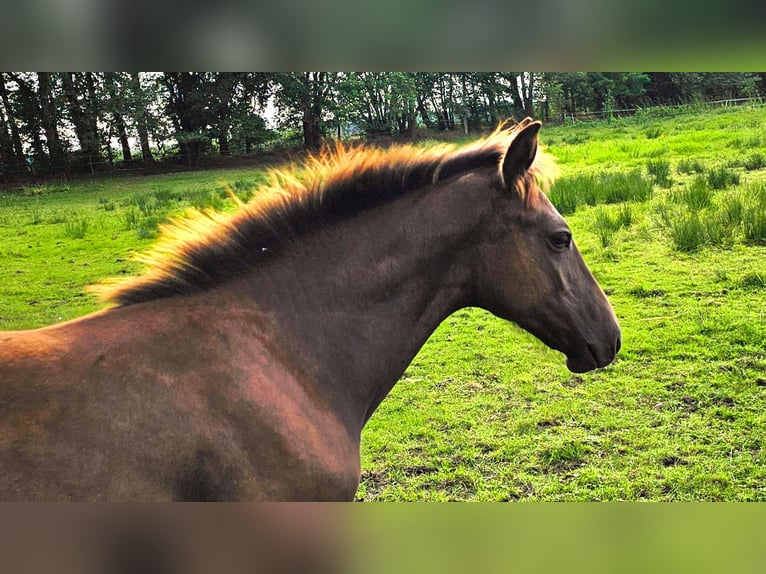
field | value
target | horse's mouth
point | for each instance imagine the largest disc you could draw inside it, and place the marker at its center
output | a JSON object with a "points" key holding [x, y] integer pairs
{"points": [[582, 363], [590, 359]]}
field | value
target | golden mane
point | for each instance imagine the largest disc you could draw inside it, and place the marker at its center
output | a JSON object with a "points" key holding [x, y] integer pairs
{"points": [[203, 249]]}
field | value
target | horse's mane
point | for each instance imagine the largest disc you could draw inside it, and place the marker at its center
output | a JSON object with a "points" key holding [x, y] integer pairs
{"points": [[206, 248]]}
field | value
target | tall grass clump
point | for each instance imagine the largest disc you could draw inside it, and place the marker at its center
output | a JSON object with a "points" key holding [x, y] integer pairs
{"points": [[722, 177], [619, 187], [700, 219], [688, 166], [76, 228], [106, 204], [131, 217], [754, 216], [697, 194], [148, 227], [569, 193], [36, 215], [625, 215], [203, 200], [165, 198], [659, 169], [689, 232], [605, 225], [755, 161], [731, 211], [653, 133]]}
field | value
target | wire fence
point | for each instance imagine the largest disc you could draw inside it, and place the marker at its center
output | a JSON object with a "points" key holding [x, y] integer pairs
{"points": [[627, 112]]}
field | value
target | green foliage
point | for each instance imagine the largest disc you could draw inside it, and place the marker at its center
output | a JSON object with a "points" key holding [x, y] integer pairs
{"points": [[753, 280], [131, 217]]}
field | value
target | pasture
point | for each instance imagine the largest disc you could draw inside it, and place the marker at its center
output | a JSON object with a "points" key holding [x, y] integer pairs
{"points": [[669, 211]]}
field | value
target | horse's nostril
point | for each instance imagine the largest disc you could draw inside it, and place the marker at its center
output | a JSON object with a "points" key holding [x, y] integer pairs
{"points": [[617, 344]]}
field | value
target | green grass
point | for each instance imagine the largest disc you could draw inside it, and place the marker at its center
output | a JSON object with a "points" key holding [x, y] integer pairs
{"points": [[722, 177], [659, 170], [571, 192], [485, 411], [689, 165]]}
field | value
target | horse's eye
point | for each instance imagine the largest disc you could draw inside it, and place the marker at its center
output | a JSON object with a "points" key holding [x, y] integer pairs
{"points": [[561, 240]]}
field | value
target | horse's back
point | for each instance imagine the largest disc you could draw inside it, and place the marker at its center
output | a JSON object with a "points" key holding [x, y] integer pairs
{"points": [[128, 407], [54, 438]]}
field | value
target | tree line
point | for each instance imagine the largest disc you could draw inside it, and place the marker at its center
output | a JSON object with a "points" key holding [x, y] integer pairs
{"points": [[55, 123]]}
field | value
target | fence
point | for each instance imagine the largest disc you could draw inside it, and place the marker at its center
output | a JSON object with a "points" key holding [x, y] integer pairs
{"points": [[627, 112]]}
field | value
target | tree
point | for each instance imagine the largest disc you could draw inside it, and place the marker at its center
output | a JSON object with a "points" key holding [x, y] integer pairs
{"points": [[187, 106], [117, 105], [12, 150], [304, 97], [138, 105], [83, 104], [49, 117]]}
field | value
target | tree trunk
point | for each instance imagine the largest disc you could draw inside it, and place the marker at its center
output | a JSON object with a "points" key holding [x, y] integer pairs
{"points": [[15, 161], [312, 110], [6, 150], [122, 135], [529, 106], [140, 116], [81, 118], [18, 148], [425, 116], [116, 106], [49, 120], [223, 140]]}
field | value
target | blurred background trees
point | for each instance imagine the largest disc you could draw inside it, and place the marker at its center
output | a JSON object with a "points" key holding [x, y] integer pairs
{"points": [[66, 123]]}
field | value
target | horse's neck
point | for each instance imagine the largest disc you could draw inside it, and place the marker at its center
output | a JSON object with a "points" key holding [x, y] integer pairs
{"points": [[356, 302]]}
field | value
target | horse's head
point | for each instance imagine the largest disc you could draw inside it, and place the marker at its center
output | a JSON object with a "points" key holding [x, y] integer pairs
{"points": [[530, 271]]}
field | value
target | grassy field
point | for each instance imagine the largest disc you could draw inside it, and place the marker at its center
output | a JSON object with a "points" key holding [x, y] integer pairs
{"points": [[669, 210]]}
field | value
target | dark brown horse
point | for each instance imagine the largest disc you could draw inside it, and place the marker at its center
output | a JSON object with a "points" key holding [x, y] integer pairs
{"points": [[245, 362]]}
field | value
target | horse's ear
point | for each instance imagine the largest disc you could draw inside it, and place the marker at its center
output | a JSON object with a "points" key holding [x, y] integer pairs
{"points": [[521, 152]]}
